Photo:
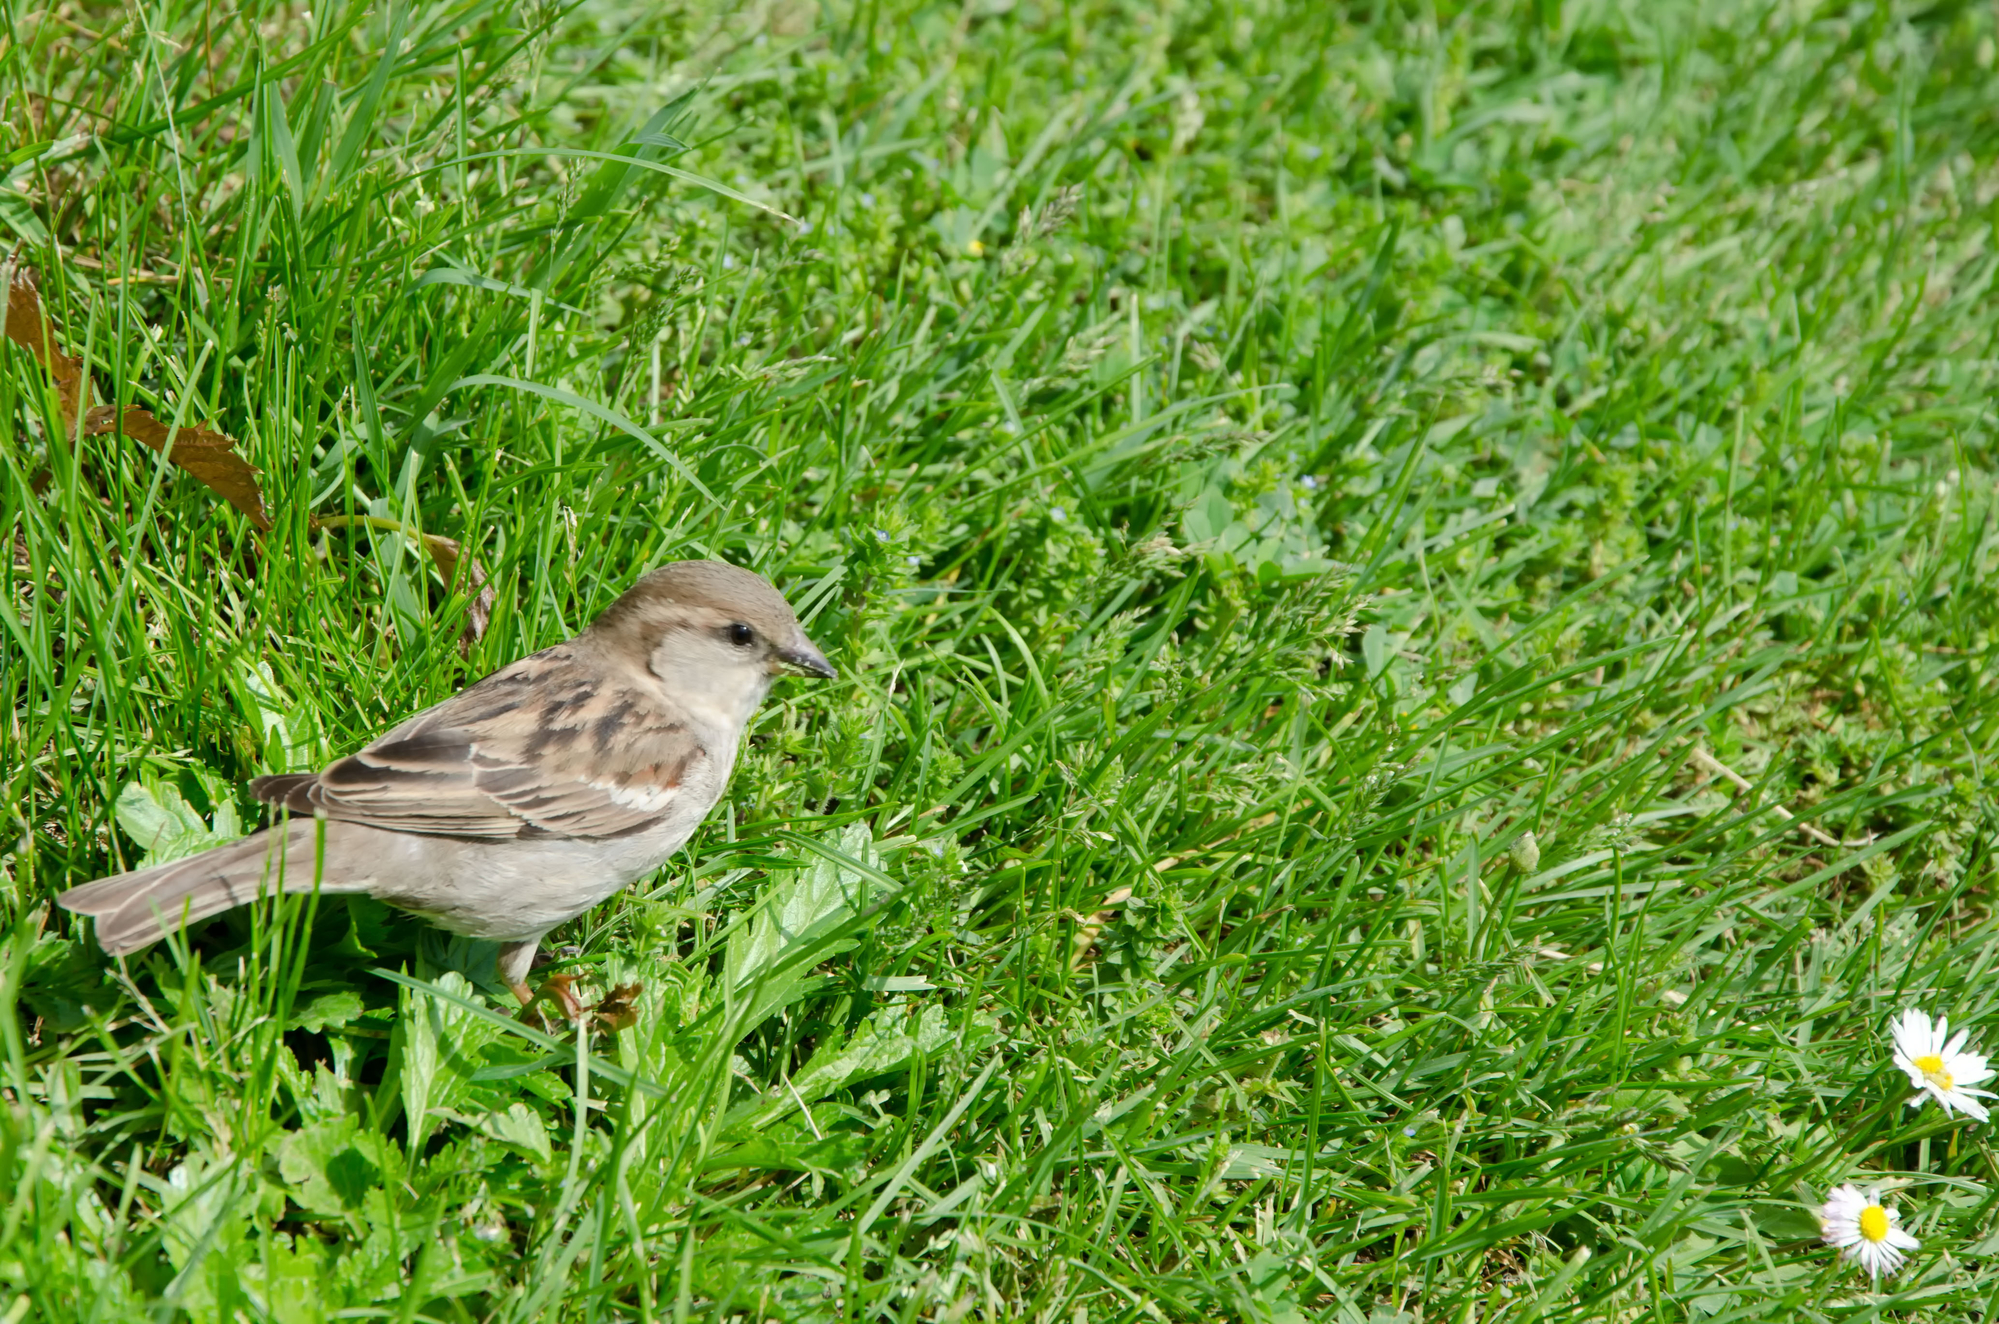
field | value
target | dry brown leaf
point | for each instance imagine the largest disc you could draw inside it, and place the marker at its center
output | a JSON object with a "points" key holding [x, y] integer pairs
{"points": [[446, 553], [200, 450], [30, 328], [619, 1010], [208, 455]]}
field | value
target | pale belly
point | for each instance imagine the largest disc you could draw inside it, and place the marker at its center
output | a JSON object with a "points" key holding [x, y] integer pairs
{"points": [[513, 890], [528, 887]]}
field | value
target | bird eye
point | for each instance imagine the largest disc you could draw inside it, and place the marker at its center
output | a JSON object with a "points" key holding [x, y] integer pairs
{"points": [[742, 636]]}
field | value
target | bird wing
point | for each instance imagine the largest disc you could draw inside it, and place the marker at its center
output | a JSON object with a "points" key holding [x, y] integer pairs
{"points": [[545, 747]]}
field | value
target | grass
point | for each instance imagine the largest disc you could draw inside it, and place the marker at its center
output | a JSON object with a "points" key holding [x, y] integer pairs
{"points": [[1303, 502]]}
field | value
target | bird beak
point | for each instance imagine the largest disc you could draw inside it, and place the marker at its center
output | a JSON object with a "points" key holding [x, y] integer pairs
{"points": [[802, 656]]}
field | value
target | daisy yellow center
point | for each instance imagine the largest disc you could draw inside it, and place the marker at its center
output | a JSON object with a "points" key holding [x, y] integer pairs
{"points": [[1931, 1065], [1874, 1223]]}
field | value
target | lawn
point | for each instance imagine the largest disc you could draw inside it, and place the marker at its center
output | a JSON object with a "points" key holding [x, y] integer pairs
{"points": [[1413, 586]]}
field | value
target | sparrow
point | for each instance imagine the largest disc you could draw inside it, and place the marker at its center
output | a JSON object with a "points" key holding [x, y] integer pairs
{"points": [[521, 801]]}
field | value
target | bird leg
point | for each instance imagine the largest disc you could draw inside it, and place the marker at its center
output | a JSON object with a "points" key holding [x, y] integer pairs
{"points": [[514, 961]]}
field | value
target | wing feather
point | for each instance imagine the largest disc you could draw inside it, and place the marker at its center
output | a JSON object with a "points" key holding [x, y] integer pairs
{"points": [[539, 748]]}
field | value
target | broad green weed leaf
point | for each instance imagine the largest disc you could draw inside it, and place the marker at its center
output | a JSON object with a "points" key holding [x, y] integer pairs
{"points": [[440, 1052], [789, 1146], [517, 1125], [800, 906], [521, 1127], [330, 1167], [882, 1042], [62, 981], [166, 827], [206, 1204], [338, 1008], [287, 739], [287, 1274]]}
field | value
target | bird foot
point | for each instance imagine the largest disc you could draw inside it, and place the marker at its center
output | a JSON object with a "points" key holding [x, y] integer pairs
{"points": [[617, 1010], [556, 989]]}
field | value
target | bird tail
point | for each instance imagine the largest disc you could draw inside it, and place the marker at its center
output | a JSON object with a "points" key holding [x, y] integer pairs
{"points": [[136, 909]]}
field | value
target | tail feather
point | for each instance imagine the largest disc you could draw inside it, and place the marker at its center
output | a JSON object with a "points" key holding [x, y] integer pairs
{"points": [[136, 909]]}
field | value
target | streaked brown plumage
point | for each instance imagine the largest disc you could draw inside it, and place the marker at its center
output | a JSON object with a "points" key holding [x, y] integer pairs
{"points": [[523, 800]]}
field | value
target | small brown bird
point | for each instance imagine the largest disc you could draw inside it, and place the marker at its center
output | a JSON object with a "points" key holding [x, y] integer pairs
{"points": [[525, 799]]}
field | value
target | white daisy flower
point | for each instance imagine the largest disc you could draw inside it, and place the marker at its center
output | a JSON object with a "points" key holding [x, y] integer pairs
{"points": [[1864, 1229], [1938, 1066]]}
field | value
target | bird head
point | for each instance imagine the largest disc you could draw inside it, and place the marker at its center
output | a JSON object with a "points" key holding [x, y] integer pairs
{"points": [[715, 634]]}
